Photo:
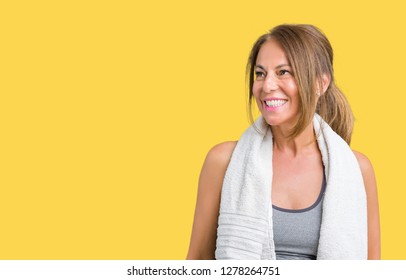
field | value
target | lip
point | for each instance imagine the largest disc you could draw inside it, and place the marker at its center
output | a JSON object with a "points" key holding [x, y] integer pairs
{"points": [[274, 98], [272, 108]]}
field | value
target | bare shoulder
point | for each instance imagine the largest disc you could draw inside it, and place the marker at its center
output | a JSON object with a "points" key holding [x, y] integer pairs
{"points": [[221, 153], [214, 169], [364, 163], [215, 164], [368, 175], [204, 232]]}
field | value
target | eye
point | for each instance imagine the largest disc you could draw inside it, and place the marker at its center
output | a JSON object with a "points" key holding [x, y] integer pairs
{"points": [[283, 72], [259, 75]]}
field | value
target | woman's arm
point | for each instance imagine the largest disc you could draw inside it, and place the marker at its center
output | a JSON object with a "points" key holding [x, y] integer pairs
{"points": [[204, 232], [374, 242]]}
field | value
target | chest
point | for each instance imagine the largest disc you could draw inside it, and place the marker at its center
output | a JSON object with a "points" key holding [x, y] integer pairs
{"points": [[296, 182]]}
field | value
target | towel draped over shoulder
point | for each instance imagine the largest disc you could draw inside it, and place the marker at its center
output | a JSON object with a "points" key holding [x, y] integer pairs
{"points": [[245, 220]]}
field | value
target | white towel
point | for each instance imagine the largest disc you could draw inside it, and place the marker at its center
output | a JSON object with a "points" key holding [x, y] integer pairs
{"points": [[245, 220]]}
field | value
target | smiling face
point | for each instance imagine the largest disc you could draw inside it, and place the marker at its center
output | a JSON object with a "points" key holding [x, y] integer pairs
{"points": [[275, 89]]}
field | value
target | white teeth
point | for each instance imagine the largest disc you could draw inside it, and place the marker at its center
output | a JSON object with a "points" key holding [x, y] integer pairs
{"points": [[275, 103]]}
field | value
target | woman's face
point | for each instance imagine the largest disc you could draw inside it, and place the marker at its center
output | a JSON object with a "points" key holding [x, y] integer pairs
{"points": [[275, 88]]}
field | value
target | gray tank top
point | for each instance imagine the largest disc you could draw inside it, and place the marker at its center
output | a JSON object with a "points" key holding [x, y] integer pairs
{"points": [[297, 232]]}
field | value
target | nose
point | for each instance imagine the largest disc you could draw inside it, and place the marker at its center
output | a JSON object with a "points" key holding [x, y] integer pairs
{"points": [[271, 83]]}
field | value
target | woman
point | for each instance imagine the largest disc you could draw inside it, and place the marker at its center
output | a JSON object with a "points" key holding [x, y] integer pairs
{"points": [[290, 188]]}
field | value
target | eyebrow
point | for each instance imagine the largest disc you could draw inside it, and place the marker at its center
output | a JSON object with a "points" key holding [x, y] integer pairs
{"points": [[277, 67]]}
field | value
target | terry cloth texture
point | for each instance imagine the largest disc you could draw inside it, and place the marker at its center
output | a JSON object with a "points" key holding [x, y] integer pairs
{"points": [[245, 221]]}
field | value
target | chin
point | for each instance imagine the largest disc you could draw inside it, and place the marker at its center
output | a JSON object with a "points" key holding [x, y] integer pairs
{"points": [[278, 120], [272, 120]]}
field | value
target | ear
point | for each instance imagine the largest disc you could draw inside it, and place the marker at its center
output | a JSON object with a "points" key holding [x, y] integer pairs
{"points": [[325, 79]]}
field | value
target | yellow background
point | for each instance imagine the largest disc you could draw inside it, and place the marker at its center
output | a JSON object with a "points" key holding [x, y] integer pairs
{"points": [[108, 109]]}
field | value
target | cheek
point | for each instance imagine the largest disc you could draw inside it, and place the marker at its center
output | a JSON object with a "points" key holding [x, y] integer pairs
{"points": [[256, 89], [291, 87]]}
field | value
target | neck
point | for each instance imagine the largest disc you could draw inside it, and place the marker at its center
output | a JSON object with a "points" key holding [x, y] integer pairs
{"points": [[305, 142]]}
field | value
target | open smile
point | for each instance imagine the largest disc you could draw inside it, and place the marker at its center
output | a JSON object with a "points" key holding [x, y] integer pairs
{"points": [[273, 104]]}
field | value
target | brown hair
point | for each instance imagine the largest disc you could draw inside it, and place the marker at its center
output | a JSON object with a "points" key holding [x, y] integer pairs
{"points": [[311, 56]]}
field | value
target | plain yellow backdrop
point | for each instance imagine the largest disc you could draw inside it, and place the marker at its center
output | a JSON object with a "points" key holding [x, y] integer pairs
{"points": [[108, 109]]}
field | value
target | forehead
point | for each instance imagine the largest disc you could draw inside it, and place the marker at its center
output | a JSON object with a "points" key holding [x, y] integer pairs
{"points": [[271, 53]]}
